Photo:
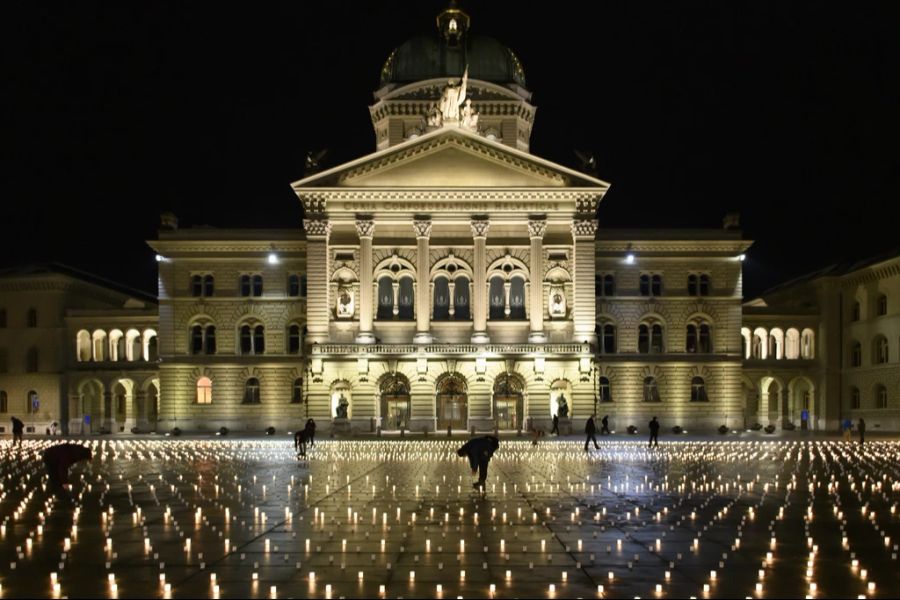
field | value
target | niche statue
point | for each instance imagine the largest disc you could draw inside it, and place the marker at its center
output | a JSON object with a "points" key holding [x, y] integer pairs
{"points": [[341, 410], [563, 407]]}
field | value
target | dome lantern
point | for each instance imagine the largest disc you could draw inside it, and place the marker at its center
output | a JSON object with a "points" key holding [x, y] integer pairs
{"points": [[453, 24]]}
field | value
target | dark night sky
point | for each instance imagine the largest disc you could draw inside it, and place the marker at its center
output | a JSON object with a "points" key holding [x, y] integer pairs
{"points": [[789, 113]]}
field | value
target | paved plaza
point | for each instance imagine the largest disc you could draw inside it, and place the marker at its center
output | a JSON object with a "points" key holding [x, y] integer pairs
{"points": [[399, 518]]}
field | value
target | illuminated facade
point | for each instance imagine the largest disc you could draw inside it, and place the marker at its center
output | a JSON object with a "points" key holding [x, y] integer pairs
{"points": [[453, 279]]}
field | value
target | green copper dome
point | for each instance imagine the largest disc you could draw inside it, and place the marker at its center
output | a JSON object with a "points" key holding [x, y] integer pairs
{"points": [[447, 54]]}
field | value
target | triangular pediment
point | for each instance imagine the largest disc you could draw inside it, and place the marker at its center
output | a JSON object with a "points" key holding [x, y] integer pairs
{"points": [[450, 157]]}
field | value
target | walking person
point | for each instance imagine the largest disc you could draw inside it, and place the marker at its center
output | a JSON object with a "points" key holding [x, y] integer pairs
{"points": [[861, 428], [18, 428], [58, 459], [590, 432], [654, 433], [555, 425], [604, 425], [847, 427], [479, 452], [311, 432]]}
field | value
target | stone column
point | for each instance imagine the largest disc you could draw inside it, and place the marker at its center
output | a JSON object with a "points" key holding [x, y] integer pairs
{"points": [[479, 299], [584, 313], [422, 228], [536, 229], [366, 230], [317, 306], [108, 408]]}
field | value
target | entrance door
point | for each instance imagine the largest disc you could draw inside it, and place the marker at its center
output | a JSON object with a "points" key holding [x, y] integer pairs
{"points": [[507, 411], [452, 403], [396, 414]]}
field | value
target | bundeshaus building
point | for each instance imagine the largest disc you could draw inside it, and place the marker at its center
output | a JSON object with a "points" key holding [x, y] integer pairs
{"points": [[449, 279]]}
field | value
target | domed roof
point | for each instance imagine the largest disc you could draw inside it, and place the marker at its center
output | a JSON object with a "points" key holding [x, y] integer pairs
{"points": [[428, 57]]}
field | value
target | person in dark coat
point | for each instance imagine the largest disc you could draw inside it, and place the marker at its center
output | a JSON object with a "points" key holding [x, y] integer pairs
{"points": [[301, 438], [604, 425], [59, 458], [311, 432], [861, 428], [479, 452], [590, 431], [555, 425], [18, 428], [654, 433]]}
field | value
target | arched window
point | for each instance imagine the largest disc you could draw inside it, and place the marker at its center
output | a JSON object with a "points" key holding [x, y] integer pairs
{"points": [[605, 390], [698, 390], [32, 317], [133, 348], [441, 309], [83, 346], [645, 285], [651, 390], [497, 295], [251, 391], [297, 392], [881, 305], [609, 339], [881, 397], [691, 343], [705, 339], [756, 350], [34, 405], [252, 339], [151, 345], [293, 285], [650, 338], [462, 309], [656, 285], [792, 344], [854, 398], [385, 298], [31, 361], [855, 354], [196, 286], [406, 298], [517, 298], [257, 285], [197, 339], [692, 285], [303, 286], [855, 311], [209, 285], [246, 288], [4, 402], [204, 390], [294, 339], [705, 285], [880, 351], [807, 344], [2, 318]]}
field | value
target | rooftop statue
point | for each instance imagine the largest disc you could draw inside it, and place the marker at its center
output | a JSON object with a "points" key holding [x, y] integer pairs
{"points": [[452, 98]]}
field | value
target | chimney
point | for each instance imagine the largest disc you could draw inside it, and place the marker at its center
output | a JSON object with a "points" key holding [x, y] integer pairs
{"points": [[169, 221], [732, 220]]}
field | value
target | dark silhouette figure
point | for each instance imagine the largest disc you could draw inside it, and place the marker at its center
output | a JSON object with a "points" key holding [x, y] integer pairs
{"points": [[58, 459], [654, 433], [300, 440], [590, 432], [555, 425], [861, 428], [479, 452], [311, 432], [18, 428], [604, 425], [535, 436]]}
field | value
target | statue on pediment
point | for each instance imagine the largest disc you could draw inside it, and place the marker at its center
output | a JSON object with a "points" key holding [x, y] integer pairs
{"points": [[453, 97], [469, 118]]}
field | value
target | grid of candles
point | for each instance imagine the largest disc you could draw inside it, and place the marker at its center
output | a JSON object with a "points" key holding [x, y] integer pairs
{"points": [[362, 518]]}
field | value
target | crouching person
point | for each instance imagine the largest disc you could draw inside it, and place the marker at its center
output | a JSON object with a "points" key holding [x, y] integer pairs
{"points": [[479, 452], [58, 459]]}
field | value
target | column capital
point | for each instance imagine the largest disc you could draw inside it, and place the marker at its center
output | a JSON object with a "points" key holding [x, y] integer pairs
{"points": [[365, 228], [536, 228], [480, 227], [422, 228], [317, 227], [584, 228]]}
